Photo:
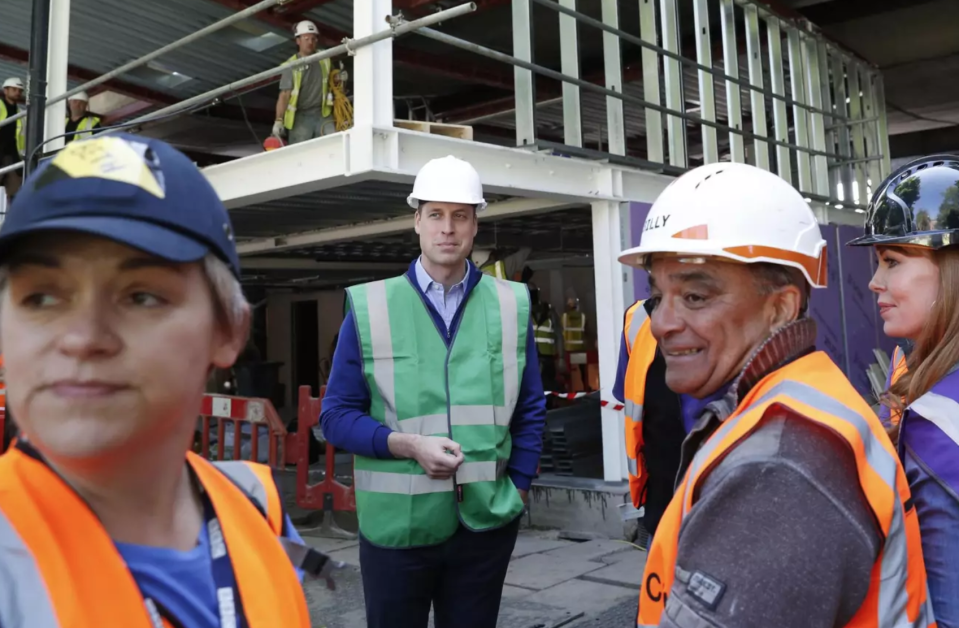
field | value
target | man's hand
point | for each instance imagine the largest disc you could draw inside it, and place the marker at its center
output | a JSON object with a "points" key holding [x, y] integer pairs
{"points": [[439, 456], [278, 128]]}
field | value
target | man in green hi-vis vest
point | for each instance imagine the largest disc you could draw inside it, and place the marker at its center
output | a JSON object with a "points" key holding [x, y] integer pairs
{"points": [[435, 387]]}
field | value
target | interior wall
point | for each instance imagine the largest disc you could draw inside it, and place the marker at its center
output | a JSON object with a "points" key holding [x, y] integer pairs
{"points": [[279, 322]]}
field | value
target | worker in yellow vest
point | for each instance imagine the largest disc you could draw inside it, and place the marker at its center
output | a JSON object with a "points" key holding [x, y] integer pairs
{"points": [[546, 331], [574, 340], [122, 294], [13, 140], [80, 121], [304, 108], [791, 507]]}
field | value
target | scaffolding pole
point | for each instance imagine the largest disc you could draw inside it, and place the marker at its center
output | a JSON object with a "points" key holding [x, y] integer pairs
{"points": [[189, 39]]}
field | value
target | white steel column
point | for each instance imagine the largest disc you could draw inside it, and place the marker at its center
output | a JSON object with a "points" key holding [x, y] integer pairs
{"points": [[673, 73], [373, 66], [613, 65], [569, 55], [797, 69], [777, 78], [817, 129], [654, 119], [707, 89], [525, 94], [734, 103], [607, 244], [58, 50], [757, 100]]}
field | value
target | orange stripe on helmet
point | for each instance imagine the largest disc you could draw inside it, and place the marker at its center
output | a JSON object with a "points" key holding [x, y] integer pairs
{"points": [[815, 267]]}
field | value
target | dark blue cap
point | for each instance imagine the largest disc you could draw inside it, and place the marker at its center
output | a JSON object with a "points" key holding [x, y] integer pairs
{"points": [[134, 190]]}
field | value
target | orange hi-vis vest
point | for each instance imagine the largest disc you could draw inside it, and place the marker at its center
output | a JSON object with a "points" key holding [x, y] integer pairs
{"points": [[813, 389], [641, 347], [897, 368], [60, 569]]}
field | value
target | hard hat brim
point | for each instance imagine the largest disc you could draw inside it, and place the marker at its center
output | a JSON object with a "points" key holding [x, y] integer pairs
{"points": [[415, 203]]}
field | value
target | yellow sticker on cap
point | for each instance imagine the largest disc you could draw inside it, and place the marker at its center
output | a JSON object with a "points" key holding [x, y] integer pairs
{"points": [[110, 158]]}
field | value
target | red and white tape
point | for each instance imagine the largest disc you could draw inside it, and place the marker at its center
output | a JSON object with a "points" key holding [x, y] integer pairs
{"points": [[614, 405]]}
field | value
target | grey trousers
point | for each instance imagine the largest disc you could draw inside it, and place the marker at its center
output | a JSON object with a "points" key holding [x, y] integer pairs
{"points": [[310, 124]]}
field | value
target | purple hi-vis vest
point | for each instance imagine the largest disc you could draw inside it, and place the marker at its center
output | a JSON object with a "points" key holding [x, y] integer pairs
{"points": [[930, 431]]}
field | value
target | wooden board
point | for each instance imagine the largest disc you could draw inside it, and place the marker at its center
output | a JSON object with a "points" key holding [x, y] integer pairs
{"points": [[457, 131]]}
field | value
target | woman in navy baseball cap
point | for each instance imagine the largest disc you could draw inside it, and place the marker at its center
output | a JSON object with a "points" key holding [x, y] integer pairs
{"points": [[120, 294]]}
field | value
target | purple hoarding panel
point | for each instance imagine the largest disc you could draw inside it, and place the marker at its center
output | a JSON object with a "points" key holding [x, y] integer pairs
{"points": [[825, 305], [637, 217], [860, 308]]}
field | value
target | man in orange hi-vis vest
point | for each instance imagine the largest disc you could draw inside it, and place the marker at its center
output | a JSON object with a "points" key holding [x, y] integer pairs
{"points": [[792, 509], [122, 294]]}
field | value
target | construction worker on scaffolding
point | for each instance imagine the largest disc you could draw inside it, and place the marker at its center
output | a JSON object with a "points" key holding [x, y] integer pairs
{"points": [[120, 295], [435, 387], [13, 139], [80, 121], [304, 108], [792, 508]]}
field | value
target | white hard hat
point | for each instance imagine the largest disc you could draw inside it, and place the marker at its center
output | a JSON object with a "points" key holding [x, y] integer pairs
{"points": [[738, 212], [80, 96], [13, 82], [448, 180], [305, 27]]}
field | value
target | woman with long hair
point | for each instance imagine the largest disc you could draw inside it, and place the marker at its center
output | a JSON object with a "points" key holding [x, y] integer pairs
{"points": [[913, 224]]}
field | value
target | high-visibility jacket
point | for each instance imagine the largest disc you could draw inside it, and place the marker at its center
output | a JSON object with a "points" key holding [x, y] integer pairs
{"points": [[813, 389], [466, 391], [61, 569], [641, 347], [327, 107], [897, 368], [545, 335], [86, 124], [574, 331], [495, 269], [21, 131]]}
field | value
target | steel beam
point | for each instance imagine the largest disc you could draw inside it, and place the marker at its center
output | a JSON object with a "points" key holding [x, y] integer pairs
{"points": [[297, 263], [734, 103], [57, 51], [797, 70], [673, 72], [391, 226], [651, 83]]}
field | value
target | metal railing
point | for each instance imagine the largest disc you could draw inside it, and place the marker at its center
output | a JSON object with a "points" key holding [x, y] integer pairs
{"points": [[828, 133], [349, 47]]}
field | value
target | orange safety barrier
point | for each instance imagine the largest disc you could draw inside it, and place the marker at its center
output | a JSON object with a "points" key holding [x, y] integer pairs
{"points": [[329, 495], [258, 414]]}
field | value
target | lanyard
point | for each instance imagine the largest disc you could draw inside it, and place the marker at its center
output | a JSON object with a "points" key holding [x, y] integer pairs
{"points": [[227, 593]]}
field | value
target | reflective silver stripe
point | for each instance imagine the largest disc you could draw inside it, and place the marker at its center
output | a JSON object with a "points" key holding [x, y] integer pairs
{"points": [[634, 411], [633, 467], [428, 425], [545, 341], [243, 476], [941, 411], [509, 312], [488, 471], [480, 415], [639, 317], [399, 483], [892, 591], [381, 340], [24, 600]]}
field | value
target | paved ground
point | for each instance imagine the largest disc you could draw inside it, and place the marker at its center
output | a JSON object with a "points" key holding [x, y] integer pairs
{"points": [[551, 583]]}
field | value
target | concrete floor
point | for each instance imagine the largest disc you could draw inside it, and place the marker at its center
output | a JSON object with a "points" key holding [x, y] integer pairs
{"points": [[551, 583]]}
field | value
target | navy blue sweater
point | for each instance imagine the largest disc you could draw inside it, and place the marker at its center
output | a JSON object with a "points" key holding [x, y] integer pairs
{"points": [[348, 425]]}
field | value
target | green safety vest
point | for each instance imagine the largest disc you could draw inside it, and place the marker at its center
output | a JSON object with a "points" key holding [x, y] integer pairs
{"points": [[467, 393], [327, 108], [496, 269], [86, 124], [574, 331], [21, 135], [545, 337]]}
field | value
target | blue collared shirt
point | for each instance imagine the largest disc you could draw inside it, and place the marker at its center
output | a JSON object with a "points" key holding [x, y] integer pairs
{"points": [[445, 301]]}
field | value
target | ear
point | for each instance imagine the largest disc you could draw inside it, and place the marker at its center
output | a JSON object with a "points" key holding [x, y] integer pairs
{"points": [[416, 221], [230, 342], [783, 306]]}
